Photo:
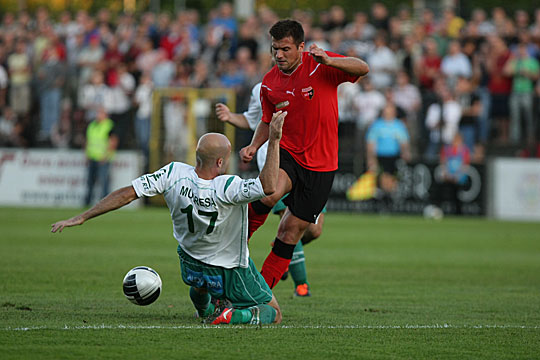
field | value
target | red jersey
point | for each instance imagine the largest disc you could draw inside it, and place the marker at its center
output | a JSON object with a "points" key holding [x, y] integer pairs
{"points": [[309, 95]]}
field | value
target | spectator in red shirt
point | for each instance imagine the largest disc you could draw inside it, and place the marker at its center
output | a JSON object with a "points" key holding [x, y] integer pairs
{"points": [[499, 85], [429, 66]]}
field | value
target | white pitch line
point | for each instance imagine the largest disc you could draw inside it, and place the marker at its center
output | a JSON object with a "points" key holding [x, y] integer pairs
{"points": [[329, 327]]}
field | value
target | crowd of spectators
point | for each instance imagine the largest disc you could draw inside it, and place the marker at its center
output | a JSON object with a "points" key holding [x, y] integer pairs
{"points": [[478, 77]]}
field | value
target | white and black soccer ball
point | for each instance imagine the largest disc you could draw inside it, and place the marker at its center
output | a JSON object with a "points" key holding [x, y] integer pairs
{"points": [[142, 285]]}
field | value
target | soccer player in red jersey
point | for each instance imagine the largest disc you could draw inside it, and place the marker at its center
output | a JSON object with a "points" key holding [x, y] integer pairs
{"points": [[305, 85]]}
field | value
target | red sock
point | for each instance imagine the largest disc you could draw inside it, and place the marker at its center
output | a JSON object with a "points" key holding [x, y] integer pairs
{"points": [[255, 220], [273, 268]]}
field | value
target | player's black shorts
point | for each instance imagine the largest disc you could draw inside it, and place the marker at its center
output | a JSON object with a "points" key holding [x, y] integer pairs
{"points": [[387, 164], [310, 189]]}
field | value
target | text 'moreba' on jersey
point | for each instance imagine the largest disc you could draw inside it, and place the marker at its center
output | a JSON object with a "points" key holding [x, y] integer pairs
{"points": [[209, 217], [309, 95]]}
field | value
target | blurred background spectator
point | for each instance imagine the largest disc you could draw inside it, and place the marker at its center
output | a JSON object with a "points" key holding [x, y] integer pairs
{"points": [[387, 143]]}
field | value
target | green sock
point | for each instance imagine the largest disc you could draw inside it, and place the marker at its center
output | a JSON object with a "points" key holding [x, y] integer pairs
{"points": [[201, 302], [260, 314], [297, 267]]}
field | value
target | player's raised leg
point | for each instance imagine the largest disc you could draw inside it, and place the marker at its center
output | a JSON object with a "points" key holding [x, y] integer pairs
{"points": [[259, 210], [290, 231], [297, 268]]}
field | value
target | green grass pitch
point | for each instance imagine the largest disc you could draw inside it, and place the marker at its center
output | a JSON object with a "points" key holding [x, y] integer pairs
{"points": [[383, 288]]}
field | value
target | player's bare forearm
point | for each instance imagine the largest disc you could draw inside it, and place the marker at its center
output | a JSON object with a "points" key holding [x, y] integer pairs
{"points": [[261, 134], [350, 65], [270, 171], [224, 114], [239, 121], [113, 201]]}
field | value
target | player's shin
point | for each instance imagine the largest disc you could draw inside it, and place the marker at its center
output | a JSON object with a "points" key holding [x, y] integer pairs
{"points": [[202, 302], [297, 268], [257, 214], [277, 262]]}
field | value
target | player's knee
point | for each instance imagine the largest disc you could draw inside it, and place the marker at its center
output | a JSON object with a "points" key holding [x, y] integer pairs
{"points": [[290, 236], [290, 232], [278, 318], [313, 232], [274, 304]]}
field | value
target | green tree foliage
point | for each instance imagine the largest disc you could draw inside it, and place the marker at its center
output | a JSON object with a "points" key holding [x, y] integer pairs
{"points": [[283, 8]]}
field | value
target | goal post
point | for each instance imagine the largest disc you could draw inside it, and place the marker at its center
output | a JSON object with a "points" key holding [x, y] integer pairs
{"points": [[179, 117]]}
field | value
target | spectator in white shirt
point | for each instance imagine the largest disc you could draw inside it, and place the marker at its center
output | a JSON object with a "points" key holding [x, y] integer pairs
{"points": [[442, 121], [382, 63], [89, 58], [118, 102], [407, 97], [369, 104], [455, 64], [92, 96], [143, 98]]}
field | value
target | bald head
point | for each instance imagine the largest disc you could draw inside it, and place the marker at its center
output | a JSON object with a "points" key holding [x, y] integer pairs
{"points": [[210, 149]]}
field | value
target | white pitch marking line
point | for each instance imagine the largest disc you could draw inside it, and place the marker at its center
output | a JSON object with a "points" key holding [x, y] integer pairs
{"points": [[192, 327]]}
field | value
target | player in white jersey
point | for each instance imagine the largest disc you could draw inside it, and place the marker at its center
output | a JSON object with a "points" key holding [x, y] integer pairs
{"points": [[210, 220], [250, 119]]}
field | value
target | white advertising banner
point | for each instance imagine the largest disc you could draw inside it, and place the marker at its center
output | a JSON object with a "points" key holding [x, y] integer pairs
{"points": [[516, 189], [45, 178]]}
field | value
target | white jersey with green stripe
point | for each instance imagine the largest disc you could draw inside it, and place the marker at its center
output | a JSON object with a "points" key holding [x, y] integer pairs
{"points": [[253, 116], [210, 217]]}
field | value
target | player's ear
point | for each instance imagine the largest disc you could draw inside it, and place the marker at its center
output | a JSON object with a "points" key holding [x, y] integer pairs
{"points": [[301, 46], [219, 163]]}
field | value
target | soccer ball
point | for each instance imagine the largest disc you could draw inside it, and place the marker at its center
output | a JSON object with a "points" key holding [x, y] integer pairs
{"points": [[142, 285], [433, 212]]}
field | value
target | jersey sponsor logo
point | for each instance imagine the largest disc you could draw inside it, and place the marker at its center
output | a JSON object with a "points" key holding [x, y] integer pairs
{"points": [[194, 278], [204, 202], [282, 105], [246, 188], [157, 174], [308, 93], [198, 279], [214, 284]]}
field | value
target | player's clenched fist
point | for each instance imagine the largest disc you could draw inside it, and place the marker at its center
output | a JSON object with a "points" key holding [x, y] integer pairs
{"points": [[223, 113], [319, 55], [247, 153], [276, 125]]}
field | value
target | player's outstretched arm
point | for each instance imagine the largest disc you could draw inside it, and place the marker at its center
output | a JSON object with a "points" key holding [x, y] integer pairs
{"points": [[270, 171], [350, 65], [113, 201], [224, 114]]}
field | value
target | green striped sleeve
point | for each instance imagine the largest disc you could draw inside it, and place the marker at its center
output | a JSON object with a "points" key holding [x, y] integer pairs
{"points": [[228, 183]]}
